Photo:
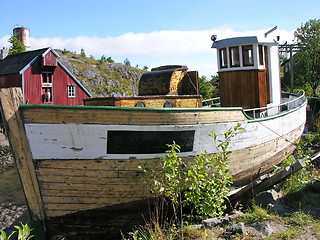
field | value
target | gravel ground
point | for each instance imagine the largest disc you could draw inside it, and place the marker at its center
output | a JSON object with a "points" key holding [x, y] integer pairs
{"points": [[10, 213], [6, 159], [12, 201]]}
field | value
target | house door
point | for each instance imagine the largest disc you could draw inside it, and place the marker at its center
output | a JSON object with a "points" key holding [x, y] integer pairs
{"points": [[46, 91]]}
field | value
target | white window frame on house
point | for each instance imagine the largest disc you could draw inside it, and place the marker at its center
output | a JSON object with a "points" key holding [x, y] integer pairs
{"points": [[71, 91]]}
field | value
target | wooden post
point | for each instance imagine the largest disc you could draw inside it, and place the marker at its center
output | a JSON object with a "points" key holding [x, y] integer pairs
{"points": [[264, 182], [11, 99], [291, 69]]}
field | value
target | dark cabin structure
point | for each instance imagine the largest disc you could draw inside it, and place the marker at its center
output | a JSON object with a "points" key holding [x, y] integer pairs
{"points": [[248, 78], [42, 77], [163, 87]]}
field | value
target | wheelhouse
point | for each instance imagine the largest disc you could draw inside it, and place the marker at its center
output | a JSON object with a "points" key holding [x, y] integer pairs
{"points": [[247, 77]]}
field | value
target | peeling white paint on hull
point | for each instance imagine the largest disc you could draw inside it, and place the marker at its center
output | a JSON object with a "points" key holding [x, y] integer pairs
{"points": [[91, 141]]}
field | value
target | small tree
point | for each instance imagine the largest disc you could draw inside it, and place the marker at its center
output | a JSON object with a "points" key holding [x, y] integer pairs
{"points": [[102, 59], [307, 60], [201, 184], [110, 60], [145, 67], [204, 87], [65, 51], [82, 53], [127, 62], [215, 85], [209, 89], [16, 45]]}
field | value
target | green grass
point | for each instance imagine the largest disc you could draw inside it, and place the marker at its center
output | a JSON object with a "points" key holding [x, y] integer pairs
{"points": [[301, 195], [300, 224], [257, 214]]}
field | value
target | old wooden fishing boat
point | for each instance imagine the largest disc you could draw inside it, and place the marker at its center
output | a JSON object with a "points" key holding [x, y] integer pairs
{"points": [[79, 164]]}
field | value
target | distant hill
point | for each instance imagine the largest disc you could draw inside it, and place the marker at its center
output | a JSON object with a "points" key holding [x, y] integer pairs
{"points": [[102, 78]]}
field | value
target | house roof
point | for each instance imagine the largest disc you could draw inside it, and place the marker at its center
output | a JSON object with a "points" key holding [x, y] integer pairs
{"points": [[16, 62]]}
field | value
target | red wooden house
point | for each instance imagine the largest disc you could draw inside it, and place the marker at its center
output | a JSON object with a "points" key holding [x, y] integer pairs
{"points": [[42, 77]]}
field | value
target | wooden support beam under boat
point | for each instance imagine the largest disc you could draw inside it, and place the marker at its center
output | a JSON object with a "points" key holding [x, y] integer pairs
{"points": [[11, 99], [267, 181]]}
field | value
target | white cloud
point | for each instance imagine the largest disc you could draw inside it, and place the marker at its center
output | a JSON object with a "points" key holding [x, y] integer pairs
{"points": [[192, 48], [4, 42]]}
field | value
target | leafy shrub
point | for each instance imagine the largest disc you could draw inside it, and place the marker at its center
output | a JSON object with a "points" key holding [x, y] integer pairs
{"points": [[82, 53], [127, 62], [102, 59], [110, 60], [201, 184]]}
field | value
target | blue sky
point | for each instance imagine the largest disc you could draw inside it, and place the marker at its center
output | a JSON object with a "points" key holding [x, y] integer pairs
{"points": [[151, 33]]}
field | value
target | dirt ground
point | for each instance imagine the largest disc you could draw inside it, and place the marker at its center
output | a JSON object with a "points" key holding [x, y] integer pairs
{"points": [[11, 189]]}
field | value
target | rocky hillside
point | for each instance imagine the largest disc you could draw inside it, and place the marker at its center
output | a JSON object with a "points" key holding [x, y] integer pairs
{"points": [[102, 77]]}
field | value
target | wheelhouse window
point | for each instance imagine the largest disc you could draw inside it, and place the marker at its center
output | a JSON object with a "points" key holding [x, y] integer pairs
{"points": [[234, 56], [223, 57], [247, 53], [71, 91], [261, 55]]}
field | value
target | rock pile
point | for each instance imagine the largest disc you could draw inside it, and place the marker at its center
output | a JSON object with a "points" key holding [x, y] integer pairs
{"points": [[103, 80], [6, 159], [257, 230]]}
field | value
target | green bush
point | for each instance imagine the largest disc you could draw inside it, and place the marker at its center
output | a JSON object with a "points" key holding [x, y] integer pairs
{"points": [[200, 184], [110, 60]]}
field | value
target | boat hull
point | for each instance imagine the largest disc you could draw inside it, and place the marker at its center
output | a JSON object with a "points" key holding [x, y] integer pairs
{"points": [[71, 163], [77, 171], [72, 185]]}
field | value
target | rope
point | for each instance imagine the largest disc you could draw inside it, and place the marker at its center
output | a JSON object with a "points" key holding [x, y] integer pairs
{"points": [[193, 84], [281, 136]]}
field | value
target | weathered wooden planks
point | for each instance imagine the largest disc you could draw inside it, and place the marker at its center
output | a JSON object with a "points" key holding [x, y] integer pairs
{"points": [[68, 186], [88, 184], [247, 89], [147, 101], [261, 158], [98, 164], [169, 81], [117, 116], [90, 173], [10, 101]]}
